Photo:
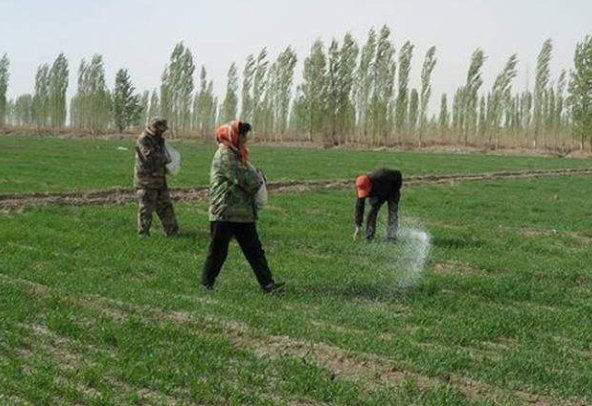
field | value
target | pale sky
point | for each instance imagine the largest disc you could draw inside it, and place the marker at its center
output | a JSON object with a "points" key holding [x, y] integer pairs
{"points": [[140, 34]]}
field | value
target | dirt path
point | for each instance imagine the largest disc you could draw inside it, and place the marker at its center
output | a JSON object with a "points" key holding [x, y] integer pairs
{"points": [[11, 202]]}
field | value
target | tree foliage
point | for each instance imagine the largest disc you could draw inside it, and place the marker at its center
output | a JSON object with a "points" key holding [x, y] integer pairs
{"points": [[348, 92], [176, 89], [580, 92], [126, 105], [4, 78]]}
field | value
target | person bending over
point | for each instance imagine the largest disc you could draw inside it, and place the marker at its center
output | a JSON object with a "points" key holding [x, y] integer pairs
{"points": [[378, 187]]}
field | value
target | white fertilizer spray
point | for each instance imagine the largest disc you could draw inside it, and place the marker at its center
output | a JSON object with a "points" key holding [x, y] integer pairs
{"points": [[415, 250], [397, 264]]}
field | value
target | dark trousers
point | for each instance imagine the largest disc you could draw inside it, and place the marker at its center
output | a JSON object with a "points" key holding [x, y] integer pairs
{"points": [[247, 238], [393, 217]]}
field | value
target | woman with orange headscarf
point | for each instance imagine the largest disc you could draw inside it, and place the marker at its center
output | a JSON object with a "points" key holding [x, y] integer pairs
{"points": [[234, 183]]}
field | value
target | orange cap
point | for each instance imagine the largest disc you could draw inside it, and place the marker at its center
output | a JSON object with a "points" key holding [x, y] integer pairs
{"points": [[363, 186]]}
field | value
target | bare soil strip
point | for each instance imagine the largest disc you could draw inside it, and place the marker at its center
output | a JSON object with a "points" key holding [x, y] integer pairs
{"points": [[370, 369], [12, 202]]}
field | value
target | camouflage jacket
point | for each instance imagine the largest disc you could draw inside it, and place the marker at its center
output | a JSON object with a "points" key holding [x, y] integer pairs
{"points": [[232, 188], [151, 160]]}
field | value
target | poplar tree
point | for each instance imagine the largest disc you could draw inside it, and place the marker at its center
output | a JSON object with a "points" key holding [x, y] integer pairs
{"points": [[204, 106], [444, 117], [559, 107], [426, 90], [4, 78], [154, 109], [549, 110], [99, 97], [500, 97], [383, 84], [91, 106], [230, 105], [58, 86], [332, 92], [41, 97], [580, 92], [284, 78], [22, 111], [364, 84], [246, 88], [483, 116], [259, 90], [470, 95], [10, 115], [526, 112], [313, 89], [346, 107], [457, 112], [298, 114], [402, 103], [543, 76], [144, 108], [266, 112], [413, 114], [177, 89], [126, 104]]}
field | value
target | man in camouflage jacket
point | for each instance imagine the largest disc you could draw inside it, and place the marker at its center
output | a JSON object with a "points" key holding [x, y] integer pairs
{"points": [[150, 179], [233, 185]]}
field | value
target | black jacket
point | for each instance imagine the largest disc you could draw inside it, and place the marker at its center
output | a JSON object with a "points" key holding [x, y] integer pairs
{"points": [[385, 185]]}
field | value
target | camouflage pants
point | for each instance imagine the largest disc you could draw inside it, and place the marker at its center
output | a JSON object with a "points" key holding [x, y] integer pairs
{"points": [[159, 200]]}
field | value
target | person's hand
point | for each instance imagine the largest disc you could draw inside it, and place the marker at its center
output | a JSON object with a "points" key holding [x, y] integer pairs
{"points": [[357, 232]]}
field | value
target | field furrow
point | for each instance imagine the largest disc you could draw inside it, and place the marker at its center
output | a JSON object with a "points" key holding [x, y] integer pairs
{"points": [[118, 196]]}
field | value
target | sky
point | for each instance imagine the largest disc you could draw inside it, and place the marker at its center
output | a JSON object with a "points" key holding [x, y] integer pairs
{"points": [[140, 34]]}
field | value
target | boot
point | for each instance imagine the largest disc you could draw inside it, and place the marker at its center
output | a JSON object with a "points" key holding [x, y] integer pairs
{"points": [[274, 288]]}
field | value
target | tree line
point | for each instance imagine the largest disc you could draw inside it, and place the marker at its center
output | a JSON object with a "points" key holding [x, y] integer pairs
{"points": [[348, 93]]}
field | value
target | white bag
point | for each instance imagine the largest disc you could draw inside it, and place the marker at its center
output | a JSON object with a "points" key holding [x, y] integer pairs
{"points": [[174, 166], [261, 195]]}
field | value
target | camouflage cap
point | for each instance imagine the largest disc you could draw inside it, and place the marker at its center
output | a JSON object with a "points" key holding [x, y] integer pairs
{"points": [[158, 122]]}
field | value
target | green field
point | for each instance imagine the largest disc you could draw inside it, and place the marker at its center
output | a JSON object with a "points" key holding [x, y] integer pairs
{"points": [[45, 164], [91, 315]]}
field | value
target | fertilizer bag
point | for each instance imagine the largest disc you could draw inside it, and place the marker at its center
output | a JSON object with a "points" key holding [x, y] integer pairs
{"points": [[174, 165], [261, 195]]}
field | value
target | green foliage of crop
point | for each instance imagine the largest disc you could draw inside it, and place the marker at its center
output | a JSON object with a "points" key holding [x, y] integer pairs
{"points": [[36, 164], [115, 320]]}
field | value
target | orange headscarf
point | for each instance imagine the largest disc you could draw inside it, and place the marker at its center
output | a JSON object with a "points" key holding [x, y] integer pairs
{"points": [[228, 135]]}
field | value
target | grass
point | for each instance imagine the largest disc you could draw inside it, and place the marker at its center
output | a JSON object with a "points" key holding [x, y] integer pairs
{"points": [[46, 164], [91, 314]]}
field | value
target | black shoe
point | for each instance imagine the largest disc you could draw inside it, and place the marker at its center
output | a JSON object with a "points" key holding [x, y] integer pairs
{"points": [[207, 288], [274, 288], [143, 235]]}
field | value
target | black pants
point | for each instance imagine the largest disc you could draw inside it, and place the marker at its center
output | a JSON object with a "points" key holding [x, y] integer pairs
{"points": [[393, 216], [248, 239]]}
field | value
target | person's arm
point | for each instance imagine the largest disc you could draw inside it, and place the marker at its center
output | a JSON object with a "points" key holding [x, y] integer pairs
{"points": [[371, 221], [148, 155], [245, 177], [359, 212], [359, 216]]}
